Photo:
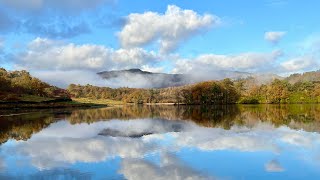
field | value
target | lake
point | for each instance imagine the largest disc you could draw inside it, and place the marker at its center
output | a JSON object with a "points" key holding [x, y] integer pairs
{"points": [[162, 142]]}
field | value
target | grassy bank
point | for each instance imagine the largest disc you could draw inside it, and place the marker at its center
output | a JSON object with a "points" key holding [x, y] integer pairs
{"points": [[108, 102], [40, 103]]}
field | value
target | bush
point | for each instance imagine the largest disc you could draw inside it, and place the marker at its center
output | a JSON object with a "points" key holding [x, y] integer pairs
{"points": [[249, 101]]}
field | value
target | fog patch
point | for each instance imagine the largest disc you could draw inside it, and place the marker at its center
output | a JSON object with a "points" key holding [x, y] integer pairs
{"points": [[135, 78], [64, 78]]}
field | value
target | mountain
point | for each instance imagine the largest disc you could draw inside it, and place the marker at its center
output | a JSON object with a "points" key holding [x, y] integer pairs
{"points": [[137, 78], [144, 78]]}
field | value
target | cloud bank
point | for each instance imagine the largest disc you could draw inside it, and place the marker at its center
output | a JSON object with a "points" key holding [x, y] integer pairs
{"points": [[210, 65], [65, 63]]}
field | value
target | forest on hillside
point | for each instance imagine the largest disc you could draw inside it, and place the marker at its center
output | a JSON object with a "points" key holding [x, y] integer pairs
{"points": [[211, 92], [21, 86], [297, 88]]}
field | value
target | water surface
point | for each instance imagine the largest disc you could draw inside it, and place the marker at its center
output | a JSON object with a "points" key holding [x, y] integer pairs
{"points": [[162, 142]]}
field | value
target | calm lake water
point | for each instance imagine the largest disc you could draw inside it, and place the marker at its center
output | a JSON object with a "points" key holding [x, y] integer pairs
{"points": [[162, 142]]}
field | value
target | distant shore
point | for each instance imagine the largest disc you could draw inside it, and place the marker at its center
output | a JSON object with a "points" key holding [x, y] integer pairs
{"points": [[48, 105]]}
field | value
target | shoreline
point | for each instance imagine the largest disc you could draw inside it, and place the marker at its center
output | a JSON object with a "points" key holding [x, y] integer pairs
{"points": [[51, 105], [75, 104]]}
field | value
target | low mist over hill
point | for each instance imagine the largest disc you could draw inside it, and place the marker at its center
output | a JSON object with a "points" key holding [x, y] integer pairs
{"points": [[139, 78], [143, 79], [313, 76]]}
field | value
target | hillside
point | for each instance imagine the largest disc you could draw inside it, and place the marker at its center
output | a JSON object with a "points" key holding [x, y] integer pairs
{"points": [[313, 76], [267, 88], [21, 86]]}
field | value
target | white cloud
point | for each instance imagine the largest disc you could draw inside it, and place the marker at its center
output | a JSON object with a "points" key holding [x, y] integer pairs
{"points": [[46, 54], [152, 69], [305, 58], [211, 64], [52, 60], [274, 166], [300, 64], [274, 36], [168, 29], [63, 78]]}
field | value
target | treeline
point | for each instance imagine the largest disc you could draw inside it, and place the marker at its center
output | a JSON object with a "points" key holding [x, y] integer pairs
{"points": [[278, 91], [16, 84], [297, 88], [244, 91], [211, 92]]}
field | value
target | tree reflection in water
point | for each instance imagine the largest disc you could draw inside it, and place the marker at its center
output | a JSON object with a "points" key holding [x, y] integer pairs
{"points": [[306, 117]]}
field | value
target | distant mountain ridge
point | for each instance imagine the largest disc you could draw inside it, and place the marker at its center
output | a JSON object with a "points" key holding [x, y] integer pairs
{"points": [[156, 80], [139, 78], [183, 79]]}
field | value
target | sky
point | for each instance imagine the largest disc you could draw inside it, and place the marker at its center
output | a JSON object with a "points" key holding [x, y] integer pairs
{"points": [[69, 41]]}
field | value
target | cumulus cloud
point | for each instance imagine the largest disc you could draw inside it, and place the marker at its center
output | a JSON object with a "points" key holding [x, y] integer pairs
{"points": [[274, 166], [306, 57], [168, 29], [274, 36], [210, 65], [45, 57], [47, 54]]}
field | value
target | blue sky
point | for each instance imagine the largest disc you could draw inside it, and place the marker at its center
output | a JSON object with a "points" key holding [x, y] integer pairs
{"points": [[79, 38]]}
